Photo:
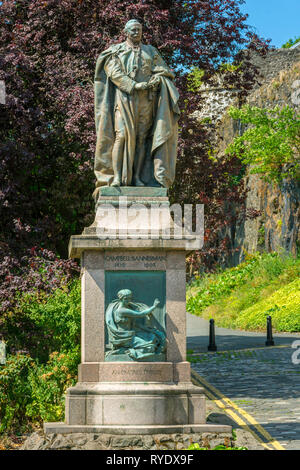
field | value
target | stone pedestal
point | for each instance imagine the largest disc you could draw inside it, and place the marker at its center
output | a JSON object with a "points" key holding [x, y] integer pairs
{"points": [[130, 396]]}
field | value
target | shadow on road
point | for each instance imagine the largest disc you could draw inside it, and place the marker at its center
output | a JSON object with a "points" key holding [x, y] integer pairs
{"points": [[235, 342]]}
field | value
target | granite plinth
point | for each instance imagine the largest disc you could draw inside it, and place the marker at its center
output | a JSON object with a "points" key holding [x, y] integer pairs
{"points": [[140, 214], [135, 403], [129, 195], [133, 371], [62, 428], [133, 191], [116, 392], [80, 243]]}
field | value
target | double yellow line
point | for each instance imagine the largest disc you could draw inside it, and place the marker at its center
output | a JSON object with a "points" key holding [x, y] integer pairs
{"points": [[240, 416]]}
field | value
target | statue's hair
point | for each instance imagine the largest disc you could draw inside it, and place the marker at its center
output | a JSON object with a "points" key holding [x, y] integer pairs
{"points": [[130, 23], [122, 293]]}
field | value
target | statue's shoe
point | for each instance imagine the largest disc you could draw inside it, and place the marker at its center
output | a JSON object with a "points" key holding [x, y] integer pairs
{"points": [[116, 182], [138, 182]]}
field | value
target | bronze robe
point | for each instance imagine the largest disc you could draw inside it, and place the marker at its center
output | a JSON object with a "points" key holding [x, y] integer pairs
{"points": [[135, 341], [115, 77]]}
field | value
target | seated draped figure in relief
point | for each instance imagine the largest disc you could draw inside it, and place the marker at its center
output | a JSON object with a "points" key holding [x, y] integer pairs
{"points": [[127, 334]]}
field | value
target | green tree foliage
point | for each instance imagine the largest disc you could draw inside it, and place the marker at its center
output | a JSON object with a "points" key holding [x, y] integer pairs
{"points": [[48, 53], [270, 143], [290, 43]]}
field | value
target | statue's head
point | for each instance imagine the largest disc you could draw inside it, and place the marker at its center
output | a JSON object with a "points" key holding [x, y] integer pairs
{"points": [[125, 295], [134, 30]]}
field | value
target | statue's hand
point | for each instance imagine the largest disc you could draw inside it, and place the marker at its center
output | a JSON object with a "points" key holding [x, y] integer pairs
{"points": [[154, 82], [156, 303], [141, 86]]}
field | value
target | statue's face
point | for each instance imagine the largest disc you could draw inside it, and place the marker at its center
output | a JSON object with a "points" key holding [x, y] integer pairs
{"points": [[127, 299], [134, 33]]}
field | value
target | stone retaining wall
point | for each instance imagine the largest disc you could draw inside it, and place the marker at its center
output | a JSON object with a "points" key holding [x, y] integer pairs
{"points": [[90, 441]]}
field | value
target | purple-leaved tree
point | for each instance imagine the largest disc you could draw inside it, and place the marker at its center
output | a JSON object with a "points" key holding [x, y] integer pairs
{"points": [[48, 52]]}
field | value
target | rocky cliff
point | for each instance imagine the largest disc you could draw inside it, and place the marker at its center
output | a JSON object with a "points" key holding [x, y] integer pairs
{"points": [[277, 226]]}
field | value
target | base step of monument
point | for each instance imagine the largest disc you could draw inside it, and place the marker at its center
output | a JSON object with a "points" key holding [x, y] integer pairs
{"points": [[62, 428], [209, 436], [117, 441]]}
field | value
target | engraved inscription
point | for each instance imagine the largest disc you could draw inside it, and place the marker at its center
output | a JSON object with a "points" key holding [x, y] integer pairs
{"points": [[132, 261], [134, 372]]}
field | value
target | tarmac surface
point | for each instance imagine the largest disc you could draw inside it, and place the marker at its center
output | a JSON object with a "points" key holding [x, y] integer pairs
{"points": [[263, 383]]}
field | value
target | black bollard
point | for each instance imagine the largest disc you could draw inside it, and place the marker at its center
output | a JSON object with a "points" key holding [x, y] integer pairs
{"points": [[270, 341], [212, 337]]}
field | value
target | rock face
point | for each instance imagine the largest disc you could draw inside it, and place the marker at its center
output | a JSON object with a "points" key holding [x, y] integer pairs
{"points": [[277, 227], [275, 61]]}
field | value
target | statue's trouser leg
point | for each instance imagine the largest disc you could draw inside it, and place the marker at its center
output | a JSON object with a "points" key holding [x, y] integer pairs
{"points": [[118, 148], [144, 124], [140, 156]]}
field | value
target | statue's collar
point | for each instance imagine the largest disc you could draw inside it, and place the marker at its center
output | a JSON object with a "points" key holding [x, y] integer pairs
{"points": [[130, 45], [124, 48]]}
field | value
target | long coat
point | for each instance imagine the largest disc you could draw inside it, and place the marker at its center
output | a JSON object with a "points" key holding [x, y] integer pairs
{"points": [[121, 93]]}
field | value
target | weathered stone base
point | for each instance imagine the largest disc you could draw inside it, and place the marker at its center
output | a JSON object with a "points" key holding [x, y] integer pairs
{"points": [[97, 441], [62, 428], [138, 404]]}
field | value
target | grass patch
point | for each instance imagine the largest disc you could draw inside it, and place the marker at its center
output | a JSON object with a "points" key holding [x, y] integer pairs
{"points": [[242, 297], [283, 305]]}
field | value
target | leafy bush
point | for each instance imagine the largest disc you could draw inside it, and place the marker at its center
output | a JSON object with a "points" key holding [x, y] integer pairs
{"points": [[37, 270], [56, 318], [32, 386], [258, 280], [271, 142], [15, 391], [31, 393], [49, 383], [33, 320], [204, 291], [283, 306]]}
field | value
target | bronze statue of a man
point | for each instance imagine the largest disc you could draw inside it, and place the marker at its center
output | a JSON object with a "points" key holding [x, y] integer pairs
{"points": [[136, 115]]}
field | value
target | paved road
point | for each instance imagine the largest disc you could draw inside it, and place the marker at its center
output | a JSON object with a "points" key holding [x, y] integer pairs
{"points": [[228, 340], [263, 381]]}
